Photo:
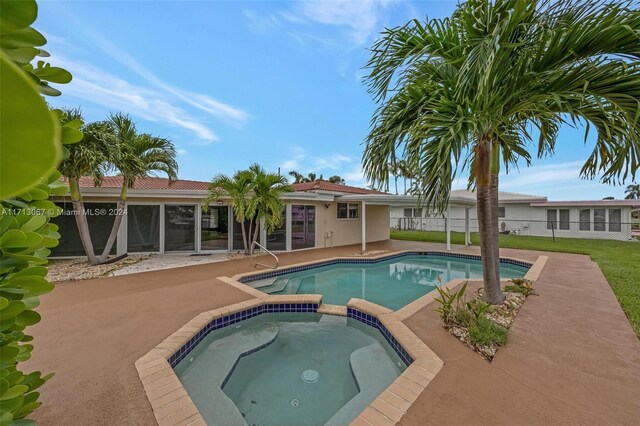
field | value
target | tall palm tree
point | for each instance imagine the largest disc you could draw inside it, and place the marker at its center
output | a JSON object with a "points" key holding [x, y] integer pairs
{"points": [[298, 177], [337, 179], [468, 89], [89, 157], [136, 155], [265, 205], [255, 197], [237, 189], [633, 192]]}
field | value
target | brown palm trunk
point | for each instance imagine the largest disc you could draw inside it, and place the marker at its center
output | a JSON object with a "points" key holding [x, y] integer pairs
{"points": [[487, 223], [255, 233], [244, 237], [114, 232], [81, 221]]}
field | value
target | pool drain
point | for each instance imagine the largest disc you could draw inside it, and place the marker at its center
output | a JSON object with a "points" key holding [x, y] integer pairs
{"points": [[295, 402], [310, 376]]}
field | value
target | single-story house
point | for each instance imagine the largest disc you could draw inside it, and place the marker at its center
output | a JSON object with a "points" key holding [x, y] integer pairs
{"points": [[525, 214], [169, 218]]}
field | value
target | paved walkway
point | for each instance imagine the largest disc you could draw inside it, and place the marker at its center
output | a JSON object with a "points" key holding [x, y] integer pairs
{"points": [[572, 355]]}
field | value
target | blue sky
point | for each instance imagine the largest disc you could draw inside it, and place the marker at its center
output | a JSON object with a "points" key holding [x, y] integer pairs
{"points": [[238, 82]]}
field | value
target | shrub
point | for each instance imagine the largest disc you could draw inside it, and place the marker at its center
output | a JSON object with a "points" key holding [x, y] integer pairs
{"points": [[483, 331], [520, 285], [449, 302]]}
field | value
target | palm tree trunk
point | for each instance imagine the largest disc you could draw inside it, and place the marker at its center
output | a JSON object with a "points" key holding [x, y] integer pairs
{"points": [[255, 233], [488, 233], [395, 178], [244, 237], [116, 225], [81, 221], [495, 211]]}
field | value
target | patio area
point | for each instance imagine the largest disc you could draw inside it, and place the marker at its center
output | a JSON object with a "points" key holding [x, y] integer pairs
{"points": [[572, 356]]}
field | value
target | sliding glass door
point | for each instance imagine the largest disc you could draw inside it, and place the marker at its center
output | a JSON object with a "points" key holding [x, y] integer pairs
{"points": [[143, 228], [179, 227], [303, 227], [214, 228]]}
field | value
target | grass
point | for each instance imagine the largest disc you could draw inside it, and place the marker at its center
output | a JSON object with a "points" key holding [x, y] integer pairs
{"points": [[618, 260], [483, 331]]}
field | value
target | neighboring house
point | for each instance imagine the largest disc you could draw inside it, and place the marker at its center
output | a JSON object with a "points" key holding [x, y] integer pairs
{"points": [[524, 214], [163, 218]]}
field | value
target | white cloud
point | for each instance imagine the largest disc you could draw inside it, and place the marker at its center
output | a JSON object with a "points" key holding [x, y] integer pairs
{"points": [[181, 151], [217, 109], [541, 176], [358, 20], [361, 18], [331, 162], [116, 94]]}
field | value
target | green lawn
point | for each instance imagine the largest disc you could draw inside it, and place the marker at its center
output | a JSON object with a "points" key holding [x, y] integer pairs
{"points": [[619, 260]]}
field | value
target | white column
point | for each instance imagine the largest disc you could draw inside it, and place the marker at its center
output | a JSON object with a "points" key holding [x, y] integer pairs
{"points": [[288, 226], [364, 227], [467, 230], [448, 228]]}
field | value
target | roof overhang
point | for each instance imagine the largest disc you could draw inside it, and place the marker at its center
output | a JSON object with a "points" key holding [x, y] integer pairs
{"points": [[196, 194], [594, 203], [401, 200]]}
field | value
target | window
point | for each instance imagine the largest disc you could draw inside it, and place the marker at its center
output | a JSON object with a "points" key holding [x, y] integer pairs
{"points": [[585, 220], [412, 212], [564, 219], [353, 211], [615, 216], [599, 220], [552, 219], [347, 210], [502, 212]]}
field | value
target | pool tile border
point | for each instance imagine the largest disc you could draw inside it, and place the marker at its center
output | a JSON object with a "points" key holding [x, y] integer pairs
{"points": [[254, 276], [172, 405]]}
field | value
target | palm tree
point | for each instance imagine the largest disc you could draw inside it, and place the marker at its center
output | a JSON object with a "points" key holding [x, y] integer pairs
{"points": [[299, 178], [237, 189], [265, 206], [468, 89], [337, 179], [137, 155], [255, 198], [633, 192], [89, 157]]}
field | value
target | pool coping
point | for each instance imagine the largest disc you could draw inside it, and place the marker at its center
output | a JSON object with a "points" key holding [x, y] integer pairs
{"points": [[172, 405], [256, 275]]}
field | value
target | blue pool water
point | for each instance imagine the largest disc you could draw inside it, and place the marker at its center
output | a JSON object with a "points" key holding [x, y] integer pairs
{"points": [[289, 369], [392, 283]]}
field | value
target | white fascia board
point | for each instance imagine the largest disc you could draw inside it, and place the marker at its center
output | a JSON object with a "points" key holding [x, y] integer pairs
{"points": [[400, 200], [307, 196]]}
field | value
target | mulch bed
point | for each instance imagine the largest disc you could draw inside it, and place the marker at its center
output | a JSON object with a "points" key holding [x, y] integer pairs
{"points": [[68, 270], [503, 315]]}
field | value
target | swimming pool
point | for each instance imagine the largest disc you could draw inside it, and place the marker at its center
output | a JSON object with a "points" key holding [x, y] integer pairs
{"points": [[289, 368], [392, 282]]}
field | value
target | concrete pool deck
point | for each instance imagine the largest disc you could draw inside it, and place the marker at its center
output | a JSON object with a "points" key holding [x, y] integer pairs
{"points": [[572, 356]]}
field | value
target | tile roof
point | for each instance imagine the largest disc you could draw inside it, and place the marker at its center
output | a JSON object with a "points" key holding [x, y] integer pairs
{"points": [[191, 185], [147, 183], [322, 185]]}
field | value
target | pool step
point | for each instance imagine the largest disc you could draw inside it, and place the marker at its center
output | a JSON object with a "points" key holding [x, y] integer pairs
{"points": [[363, 362], [262, 283], [205, 384]]}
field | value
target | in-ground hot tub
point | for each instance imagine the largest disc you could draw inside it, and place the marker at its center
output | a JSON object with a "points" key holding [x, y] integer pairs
{"points": [[290, 369]]}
